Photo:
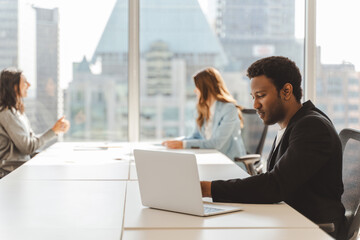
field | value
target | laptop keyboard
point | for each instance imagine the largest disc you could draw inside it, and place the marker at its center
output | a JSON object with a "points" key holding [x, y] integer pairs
{"points": [[208, 210]]}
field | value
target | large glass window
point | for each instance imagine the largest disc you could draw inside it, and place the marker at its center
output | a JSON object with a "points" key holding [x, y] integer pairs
{"points": [[338, 61], [74, 53], [179, 38], [76, 58]]}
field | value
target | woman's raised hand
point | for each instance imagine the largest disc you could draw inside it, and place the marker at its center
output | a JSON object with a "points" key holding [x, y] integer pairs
{"points": [[61, 126]]}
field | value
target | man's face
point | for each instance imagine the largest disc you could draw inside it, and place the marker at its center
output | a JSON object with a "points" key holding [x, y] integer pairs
{"points": [[267, 100]]}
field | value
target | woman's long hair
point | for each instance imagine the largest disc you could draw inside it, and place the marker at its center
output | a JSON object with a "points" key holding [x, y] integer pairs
{"points": [[210, 83], [10, 90]]}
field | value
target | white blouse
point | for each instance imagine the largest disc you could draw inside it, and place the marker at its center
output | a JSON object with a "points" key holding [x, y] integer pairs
{"points": [[279, 136], [209, 123]]}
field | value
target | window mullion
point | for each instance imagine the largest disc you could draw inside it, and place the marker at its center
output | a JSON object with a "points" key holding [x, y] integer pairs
{"points": [[310, 50], [133, 72]]}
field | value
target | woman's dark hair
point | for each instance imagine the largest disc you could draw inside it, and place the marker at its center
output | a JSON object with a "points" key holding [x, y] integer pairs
{"points": [[280, 70], [10, 90]]}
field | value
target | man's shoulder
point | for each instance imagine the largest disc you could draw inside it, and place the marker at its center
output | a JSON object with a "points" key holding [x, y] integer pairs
{"points": [[314, 121], [310, 112], [315, 115]]}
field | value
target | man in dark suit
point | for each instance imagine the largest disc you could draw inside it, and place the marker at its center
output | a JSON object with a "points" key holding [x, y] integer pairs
{"points": [[304, 168]]}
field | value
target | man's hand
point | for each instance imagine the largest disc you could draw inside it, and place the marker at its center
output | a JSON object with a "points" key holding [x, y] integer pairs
{"points": [[173, 144], [205, 188]]}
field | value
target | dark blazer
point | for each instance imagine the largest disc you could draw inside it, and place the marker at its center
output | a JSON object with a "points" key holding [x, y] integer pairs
{"points": [[305, 171]]}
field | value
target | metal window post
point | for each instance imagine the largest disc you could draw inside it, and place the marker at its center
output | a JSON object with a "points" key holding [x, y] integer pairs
{"points": [[133, 72], [310, 50]]}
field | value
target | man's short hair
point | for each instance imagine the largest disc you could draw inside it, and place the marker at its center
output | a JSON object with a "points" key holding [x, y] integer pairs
{"points": [[280, 70]]}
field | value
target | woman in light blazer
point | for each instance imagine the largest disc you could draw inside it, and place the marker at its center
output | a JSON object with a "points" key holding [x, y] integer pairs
{"points": [[17, 140], [219, 121]]}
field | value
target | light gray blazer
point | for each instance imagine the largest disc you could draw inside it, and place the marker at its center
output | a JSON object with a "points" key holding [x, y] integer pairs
{"points": [[16, 141], [226, 132]]}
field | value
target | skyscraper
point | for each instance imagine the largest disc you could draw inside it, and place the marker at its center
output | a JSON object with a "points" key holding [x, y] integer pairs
{"points": [[250, 30], [337, 94], [47, 65], [176, 41], [158, 73], [95, 105], [8, 33]]}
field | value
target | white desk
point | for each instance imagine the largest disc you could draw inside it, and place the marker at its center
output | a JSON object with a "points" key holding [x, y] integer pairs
{"points": [[253, 216], [82, 153], [203, 156], [212, 164], [228, 234], [106, 171], [61, 209], [42, 200], [209, 172], [77, 161]]}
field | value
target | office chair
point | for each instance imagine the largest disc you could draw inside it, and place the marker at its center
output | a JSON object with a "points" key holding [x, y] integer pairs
{"points": [[253, 134], [350, 140]]}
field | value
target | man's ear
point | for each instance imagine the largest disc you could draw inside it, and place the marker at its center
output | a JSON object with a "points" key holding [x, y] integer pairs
{"points": [[287, 91]]}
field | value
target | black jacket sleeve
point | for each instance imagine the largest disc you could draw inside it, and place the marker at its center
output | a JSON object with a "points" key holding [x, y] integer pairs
{"points": [[304, 150]]}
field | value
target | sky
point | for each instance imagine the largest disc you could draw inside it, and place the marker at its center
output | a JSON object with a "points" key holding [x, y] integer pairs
{"points": [[337, 31], [81, 28]]}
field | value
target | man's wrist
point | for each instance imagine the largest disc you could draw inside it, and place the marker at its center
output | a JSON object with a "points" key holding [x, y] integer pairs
{"points": [[206, 189]]}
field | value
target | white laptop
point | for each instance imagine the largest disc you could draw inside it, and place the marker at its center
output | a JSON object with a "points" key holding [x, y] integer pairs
{"points": [[170, 181]]}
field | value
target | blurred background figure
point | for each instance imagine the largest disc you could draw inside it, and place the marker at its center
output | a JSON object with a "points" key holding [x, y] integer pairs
{"points": [[219, 121]]}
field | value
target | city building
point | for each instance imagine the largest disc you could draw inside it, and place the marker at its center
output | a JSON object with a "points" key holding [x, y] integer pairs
{"points": [[48, 94], [249, 30], [171, 52], [95, 105], [337, 92], [9, 31]]}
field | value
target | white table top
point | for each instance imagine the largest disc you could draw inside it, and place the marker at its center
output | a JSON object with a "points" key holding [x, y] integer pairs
{"points": [[77, 161], [253, 216], [212, 164], [208, 172], [107, 171], [78, 191], [60, 154], [203, 156], [105, 161], [61, 209], [228, 234]]}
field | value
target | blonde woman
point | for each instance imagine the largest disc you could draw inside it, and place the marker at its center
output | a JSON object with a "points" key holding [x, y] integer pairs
{"points": [[219, 121]]}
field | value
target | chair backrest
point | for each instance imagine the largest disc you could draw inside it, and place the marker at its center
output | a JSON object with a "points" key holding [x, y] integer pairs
{"points": [[350, 140], [254, 132]]}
